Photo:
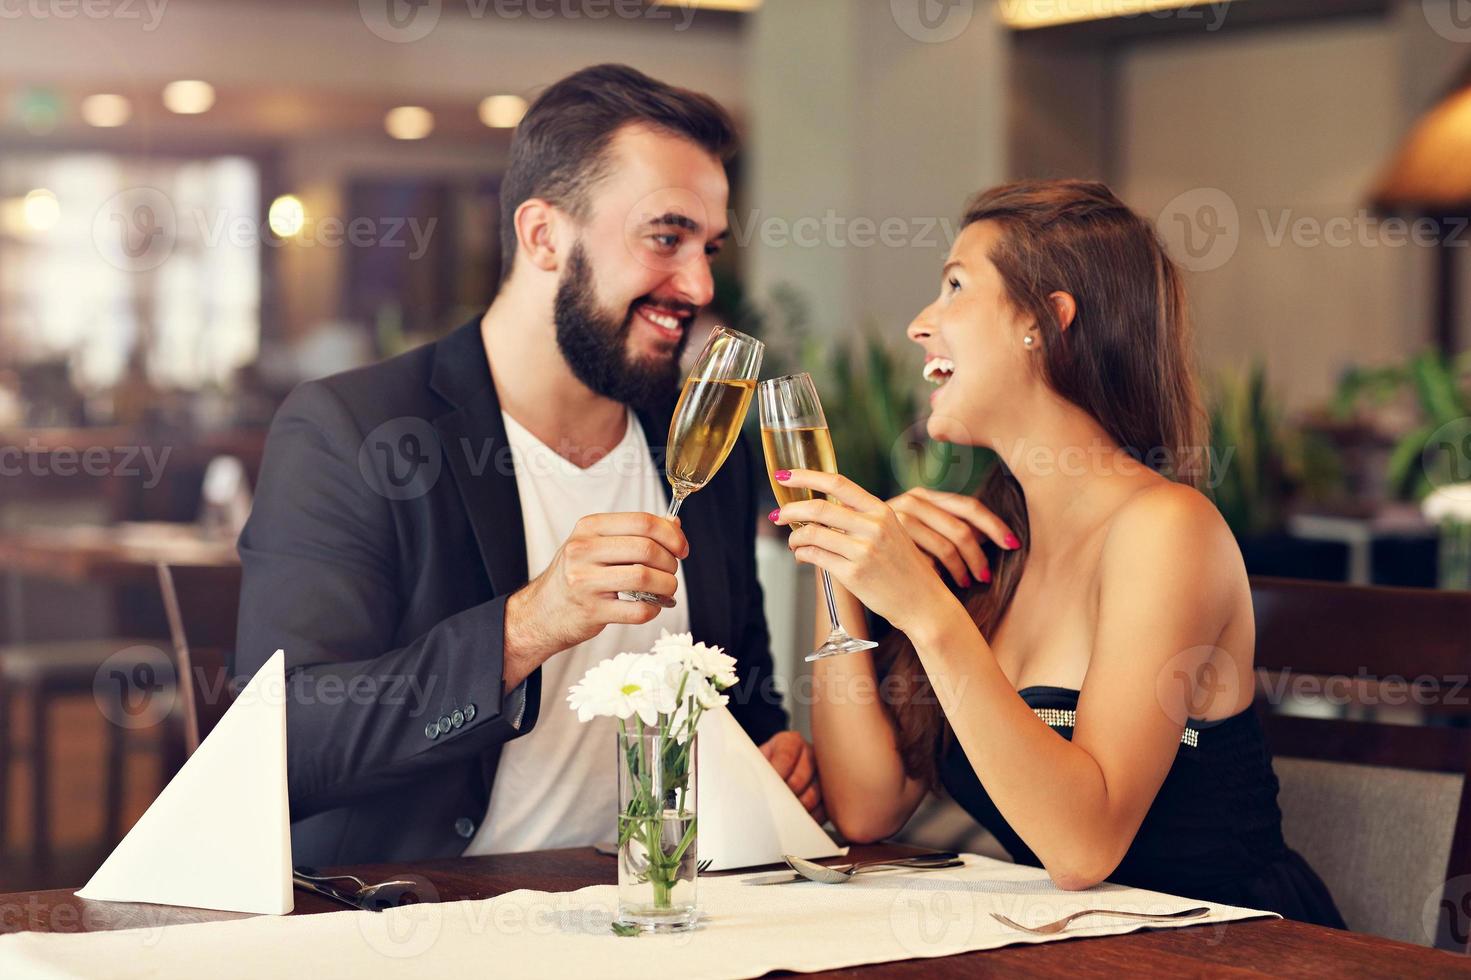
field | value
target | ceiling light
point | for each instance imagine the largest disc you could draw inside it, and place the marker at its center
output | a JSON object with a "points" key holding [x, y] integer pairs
{"points": [[41, 210], [188, 98], [1026, 15], [106, 111], [409, 122], [287, 216]]}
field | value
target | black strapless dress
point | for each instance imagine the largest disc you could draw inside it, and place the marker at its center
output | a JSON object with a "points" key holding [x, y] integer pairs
{"points": [[1213, 833]]}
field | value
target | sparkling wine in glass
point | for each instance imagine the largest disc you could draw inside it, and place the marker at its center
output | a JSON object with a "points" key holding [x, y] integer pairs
{"points": [[707, 420], [795, 436]]}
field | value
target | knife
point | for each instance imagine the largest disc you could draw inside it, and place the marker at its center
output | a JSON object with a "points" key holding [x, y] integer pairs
{"points": [[785, 878]]}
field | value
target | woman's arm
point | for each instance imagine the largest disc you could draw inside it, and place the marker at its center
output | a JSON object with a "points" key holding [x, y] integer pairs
{"points": [[1168, 573], [867, 793]]}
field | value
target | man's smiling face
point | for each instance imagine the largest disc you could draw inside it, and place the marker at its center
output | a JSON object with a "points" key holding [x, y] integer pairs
{"points": [[640, 269]]}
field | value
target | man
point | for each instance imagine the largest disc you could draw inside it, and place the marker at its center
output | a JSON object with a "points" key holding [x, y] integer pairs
{"points": [[438, 540]]}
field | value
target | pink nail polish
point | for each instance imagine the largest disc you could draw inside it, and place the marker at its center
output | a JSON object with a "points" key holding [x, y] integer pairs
{"points": [[965, 582], [1012, 541], [986, 576], [782, 476], [774, 515]]}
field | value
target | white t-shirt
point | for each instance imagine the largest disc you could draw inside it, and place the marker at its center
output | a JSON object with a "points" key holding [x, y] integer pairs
{"points": [[556, 786]]}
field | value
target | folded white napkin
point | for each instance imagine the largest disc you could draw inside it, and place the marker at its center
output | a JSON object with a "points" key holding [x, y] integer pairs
{"points": [[219, 835], [748, 815]]}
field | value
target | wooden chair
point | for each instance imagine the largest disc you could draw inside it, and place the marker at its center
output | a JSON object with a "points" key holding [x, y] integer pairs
{"points": [[44, 672], [203, 608], [1381, 811]]}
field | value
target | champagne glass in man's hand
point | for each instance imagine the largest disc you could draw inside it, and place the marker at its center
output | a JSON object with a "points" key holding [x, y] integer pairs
{"points": [[707, 421]]}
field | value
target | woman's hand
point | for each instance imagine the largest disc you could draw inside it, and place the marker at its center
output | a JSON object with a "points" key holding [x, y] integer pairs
{"points": [[949, 528], [860, 541]]}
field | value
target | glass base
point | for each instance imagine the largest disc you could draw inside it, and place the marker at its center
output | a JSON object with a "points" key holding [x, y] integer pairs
{"points": [[652, 598], [838, 643], [676, 920]]}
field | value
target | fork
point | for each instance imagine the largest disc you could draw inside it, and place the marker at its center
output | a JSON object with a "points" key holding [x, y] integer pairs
{"points": [[1053, 928]]}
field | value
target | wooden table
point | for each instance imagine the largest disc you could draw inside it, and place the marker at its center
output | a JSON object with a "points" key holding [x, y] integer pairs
{"points": [[1255, 948], [111, 553]]}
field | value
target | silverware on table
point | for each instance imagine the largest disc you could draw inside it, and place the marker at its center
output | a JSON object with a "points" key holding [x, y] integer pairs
{"points": [[369, 898], [839, 873], [1053, 928]]}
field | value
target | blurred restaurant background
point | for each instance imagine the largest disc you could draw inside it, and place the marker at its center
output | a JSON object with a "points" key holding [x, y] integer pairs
{"points": [[205, 202]]}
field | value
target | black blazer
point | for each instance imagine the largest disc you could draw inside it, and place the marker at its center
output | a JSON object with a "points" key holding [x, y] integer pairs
{"points": [[385, 537]]}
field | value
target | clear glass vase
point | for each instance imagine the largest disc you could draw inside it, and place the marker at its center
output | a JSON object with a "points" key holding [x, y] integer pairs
{"points": [[657, 839], [1455, 555]]}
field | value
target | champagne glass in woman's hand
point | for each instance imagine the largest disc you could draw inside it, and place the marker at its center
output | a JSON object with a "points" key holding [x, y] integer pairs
{"points": [[794, 435], [708, 419]]}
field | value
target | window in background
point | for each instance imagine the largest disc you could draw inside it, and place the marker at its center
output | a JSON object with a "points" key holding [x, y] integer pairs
{"points": [[108, 260]]}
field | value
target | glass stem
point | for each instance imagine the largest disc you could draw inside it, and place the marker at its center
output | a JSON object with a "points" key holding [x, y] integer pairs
{"points": [[832, 606], [675, 504]]}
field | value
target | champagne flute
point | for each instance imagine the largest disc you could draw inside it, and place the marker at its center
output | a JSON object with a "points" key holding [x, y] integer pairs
{"points": [[795, 436], [707, 421]]}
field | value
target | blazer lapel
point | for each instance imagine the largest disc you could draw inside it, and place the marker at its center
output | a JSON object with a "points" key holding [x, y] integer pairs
{"points": [[474, 440]]}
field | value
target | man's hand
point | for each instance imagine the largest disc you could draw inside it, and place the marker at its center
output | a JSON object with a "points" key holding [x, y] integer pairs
{"points": [[793, 760], [577, 596]]}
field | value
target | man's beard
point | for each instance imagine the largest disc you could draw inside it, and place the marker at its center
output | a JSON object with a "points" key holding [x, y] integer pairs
{"points": [[595, 344]]}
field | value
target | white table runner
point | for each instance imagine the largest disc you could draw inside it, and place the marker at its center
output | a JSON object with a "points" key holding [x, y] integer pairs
{"points": [[747, 931]]}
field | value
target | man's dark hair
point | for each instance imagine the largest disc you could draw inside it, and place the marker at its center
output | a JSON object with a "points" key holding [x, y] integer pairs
{"points": [[560, 149]]}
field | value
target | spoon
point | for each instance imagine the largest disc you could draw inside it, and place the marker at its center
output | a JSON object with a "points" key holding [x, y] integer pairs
{"points": [[813, 871]]}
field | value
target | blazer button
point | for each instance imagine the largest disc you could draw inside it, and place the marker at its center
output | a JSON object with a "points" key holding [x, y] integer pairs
{"points": [[457, 718], [465, 827], [444, 724], [431, 730], [469, 712]]}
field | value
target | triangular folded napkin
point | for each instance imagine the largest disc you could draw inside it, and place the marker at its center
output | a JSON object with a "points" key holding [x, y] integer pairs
{"points": [[219, 835], [748, 815]]}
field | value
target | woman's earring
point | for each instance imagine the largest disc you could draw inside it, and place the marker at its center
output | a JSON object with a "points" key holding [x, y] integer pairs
{"points": [[1029, 340]]}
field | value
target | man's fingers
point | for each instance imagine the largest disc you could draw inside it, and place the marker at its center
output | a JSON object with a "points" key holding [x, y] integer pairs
{"points": [[629, 550], [812, 801], [783, 755], [802, 774], [633, 578], [667, 532]]}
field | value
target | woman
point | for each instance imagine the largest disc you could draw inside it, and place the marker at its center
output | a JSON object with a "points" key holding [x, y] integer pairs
{"points": [[1086, 692]]}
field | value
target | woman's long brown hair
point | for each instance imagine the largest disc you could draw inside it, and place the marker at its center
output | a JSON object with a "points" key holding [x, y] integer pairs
{"points": [[1125, 359]]}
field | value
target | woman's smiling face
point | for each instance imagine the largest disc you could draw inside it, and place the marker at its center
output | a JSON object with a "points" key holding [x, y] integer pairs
{"points": [[973, 339]]}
